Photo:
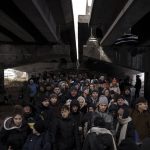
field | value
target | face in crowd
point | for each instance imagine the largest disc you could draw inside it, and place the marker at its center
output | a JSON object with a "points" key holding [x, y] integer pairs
{"points": [[102, 107], [91, 109], [75, 108], [65, 113], [120, 101], [86, 92], [106, 93], [45, 103], [17, 119], [27, 109], [57, 90], [95, 95], [53, 100], [74, 93], [142, 106]]}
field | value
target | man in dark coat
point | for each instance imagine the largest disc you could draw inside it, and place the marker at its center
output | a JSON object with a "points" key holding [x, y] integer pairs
{"points": [[67, 134], [137, 86]]}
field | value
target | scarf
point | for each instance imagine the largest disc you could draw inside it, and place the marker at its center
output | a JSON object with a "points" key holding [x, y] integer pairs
{"points": [[98, 131], [123, 131]]}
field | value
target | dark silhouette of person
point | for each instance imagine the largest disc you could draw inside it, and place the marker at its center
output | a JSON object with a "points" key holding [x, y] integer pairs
{"points": [[137, 86]]}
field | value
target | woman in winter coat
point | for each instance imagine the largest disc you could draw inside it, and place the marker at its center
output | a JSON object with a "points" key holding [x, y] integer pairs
{"points": [[14, 133], [141, 119], [124, 129]]}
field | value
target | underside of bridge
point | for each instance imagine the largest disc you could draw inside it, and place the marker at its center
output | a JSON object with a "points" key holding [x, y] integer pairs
{"points": [[38, 32]]}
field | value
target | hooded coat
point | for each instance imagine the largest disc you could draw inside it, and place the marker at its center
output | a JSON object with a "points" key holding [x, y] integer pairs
{"points": [[97, 140], [11, 135]]}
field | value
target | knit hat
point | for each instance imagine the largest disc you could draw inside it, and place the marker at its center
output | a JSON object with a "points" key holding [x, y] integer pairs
{"points": [[102, 100], [141, 100]]}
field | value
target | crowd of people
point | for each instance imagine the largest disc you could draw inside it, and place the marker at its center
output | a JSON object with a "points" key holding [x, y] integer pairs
{"points": [[78, 111]]}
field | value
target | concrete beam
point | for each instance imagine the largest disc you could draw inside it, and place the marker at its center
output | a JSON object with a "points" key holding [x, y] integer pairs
{"points": [[12, 55], [132, 12], [3, 37], [13, 27], [104, 13], [39, 14]]}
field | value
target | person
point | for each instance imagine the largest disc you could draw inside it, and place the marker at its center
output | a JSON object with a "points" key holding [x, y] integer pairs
{"points": [[137, 86], [44, 112], [87, 119], [32, 90], [122, 102], [14, 132], [39, 139], [124, 129], [54, 105], [82, 104], [102, 110], [94, 97], [98, 137], [141, 119], [75, 112], [29, 113], [73, 93], [66, 132], [127, 95], [114, 85]]}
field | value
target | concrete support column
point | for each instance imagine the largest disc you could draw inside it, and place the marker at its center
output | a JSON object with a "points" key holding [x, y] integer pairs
{"points": [[147, 86], [1, 80]]}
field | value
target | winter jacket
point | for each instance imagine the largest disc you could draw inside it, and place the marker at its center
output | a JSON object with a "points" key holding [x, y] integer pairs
{"points": [[38, 142], [96, 140], [13, 136], [130, 130], [45, 114], [67, 134], [108, 120]]}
